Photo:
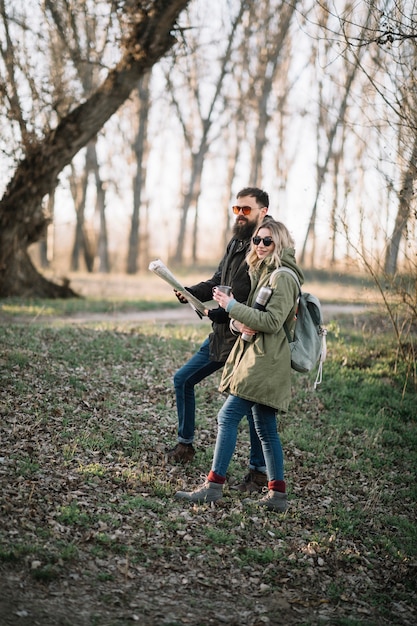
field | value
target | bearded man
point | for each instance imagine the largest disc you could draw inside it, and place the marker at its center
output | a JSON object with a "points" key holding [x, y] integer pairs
{"points": [[251, 210]]}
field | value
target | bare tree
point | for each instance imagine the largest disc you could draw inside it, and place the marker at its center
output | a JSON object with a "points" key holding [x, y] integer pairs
{"points": [[82, 36], [82, 245], [196, 126], [232, 138], [406, 201], [141, 149], [271, 47], [390, 43], [400, 25], [148, 36], [332, 124]]}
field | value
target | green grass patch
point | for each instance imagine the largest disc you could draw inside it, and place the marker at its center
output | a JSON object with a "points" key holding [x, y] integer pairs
{"points": [[43, 308]]}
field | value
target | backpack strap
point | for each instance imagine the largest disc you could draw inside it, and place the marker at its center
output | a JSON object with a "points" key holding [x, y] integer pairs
{"points": [[291, 272], [287, 270]]}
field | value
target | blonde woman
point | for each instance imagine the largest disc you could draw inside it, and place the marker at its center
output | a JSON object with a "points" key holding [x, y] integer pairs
{"points": [[257, 373]]}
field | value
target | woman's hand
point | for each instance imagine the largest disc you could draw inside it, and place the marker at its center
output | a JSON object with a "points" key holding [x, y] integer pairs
{"points": [[222, 298], [246, 330], [241, 328]]}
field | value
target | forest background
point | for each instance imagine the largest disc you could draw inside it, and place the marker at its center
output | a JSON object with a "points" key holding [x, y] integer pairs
{"points": [[313, 101]]}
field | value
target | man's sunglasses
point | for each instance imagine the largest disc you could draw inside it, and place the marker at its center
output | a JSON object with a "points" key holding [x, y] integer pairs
{"points": [[266, 240], [246, 210]]}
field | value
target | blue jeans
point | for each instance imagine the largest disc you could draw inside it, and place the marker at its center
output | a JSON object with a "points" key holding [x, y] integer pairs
{"points": [[265, 419], [195, 370]]}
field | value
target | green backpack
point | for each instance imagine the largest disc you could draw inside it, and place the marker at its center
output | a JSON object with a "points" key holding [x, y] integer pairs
{"points": [[308, 344]]}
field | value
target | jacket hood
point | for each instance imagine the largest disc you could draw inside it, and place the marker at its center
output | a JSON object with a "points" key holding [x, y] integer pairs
{"points": [[287, 260]]}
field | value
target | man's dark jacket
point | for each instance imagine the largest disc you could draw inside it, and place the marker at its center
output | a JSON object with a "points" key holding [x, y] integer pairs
{"points": [[233, 271]]}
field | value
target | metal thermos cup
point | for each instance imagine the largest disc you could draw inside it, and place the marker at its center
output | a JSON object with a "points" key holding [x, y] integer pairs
{"points": [[260, 304], [225, 289]]}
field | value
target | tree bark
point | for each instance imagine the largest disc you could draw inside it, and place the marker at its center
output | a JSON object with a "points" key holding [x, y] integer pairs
{"points": [[141, 149], [102, 238], [22, 220], [78, 185], [46, 248], [403, 213]]}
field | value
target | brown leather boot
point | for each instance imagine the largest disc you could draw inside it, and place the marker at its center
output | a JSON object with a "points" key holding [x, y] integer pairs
{"points": [[253, 481], [181, 453]]}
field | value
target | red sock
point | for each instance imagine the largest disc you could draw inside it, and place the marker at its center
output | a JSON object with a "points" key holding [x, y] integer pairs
{"points": [[277, 485], [216, 478]]}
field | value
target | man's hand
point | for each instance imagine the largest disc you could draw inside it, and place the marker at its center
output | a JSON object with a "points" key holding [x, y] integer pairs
{"points": [[180, 297], [218, 315]]}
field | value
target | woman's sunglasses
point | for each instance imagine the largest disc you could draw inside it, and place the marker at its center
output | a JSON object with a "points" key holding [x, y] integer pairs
{"points": [[267, 241]]}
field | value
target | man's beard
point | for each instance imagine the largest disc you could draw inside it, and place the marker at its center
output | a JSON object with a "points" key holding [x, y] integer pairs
{"points": [[243, 231]]}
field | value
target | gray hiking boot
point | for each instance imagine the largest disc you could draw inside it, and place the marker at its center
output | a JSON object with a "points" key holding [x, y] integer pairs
{"points": [[273, 500], [208, 492], [253, 481]]}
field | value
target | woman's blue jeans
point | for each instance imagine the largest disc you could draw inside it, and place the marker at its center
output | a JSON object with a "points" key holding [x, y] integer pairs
{"points": [[265, 420], [194, 371]]}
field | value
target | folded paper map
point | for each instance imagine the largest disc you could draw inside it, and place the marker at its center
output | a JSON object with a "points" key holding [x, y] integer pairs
{"points": [[163, 272]]}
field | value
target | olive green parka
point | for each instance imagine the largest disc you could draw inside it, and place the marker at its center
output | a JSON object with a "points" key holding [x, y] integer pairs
{"points": [[260, 370]]}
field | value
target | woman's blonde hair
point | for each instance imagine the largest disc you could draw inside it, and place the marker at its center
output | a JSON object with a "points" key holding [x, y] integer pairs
{"points": [[281, 237]]}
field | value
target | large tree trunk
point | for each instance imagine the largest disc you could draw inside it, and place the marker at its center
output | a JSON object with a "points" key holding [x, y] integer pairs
{"points": [[23, 279], [22, 220]]}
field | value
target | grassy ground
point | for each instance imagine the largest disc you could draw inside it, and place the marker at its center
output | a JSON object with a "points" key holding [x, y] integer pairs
{"points": [[91, 535]]}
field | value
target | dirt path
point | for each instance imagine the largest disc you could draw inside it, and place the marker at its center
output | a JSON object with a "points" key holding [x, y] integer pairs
{"points": [[185, 315]]}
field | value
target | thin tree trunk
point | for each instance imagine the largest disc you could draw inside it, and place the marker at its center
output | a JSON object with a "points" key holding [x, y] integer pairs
{"points": [[78, 185], [405, 200], [141, 150], [231, 170], [103, 242], [333, 212]]}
